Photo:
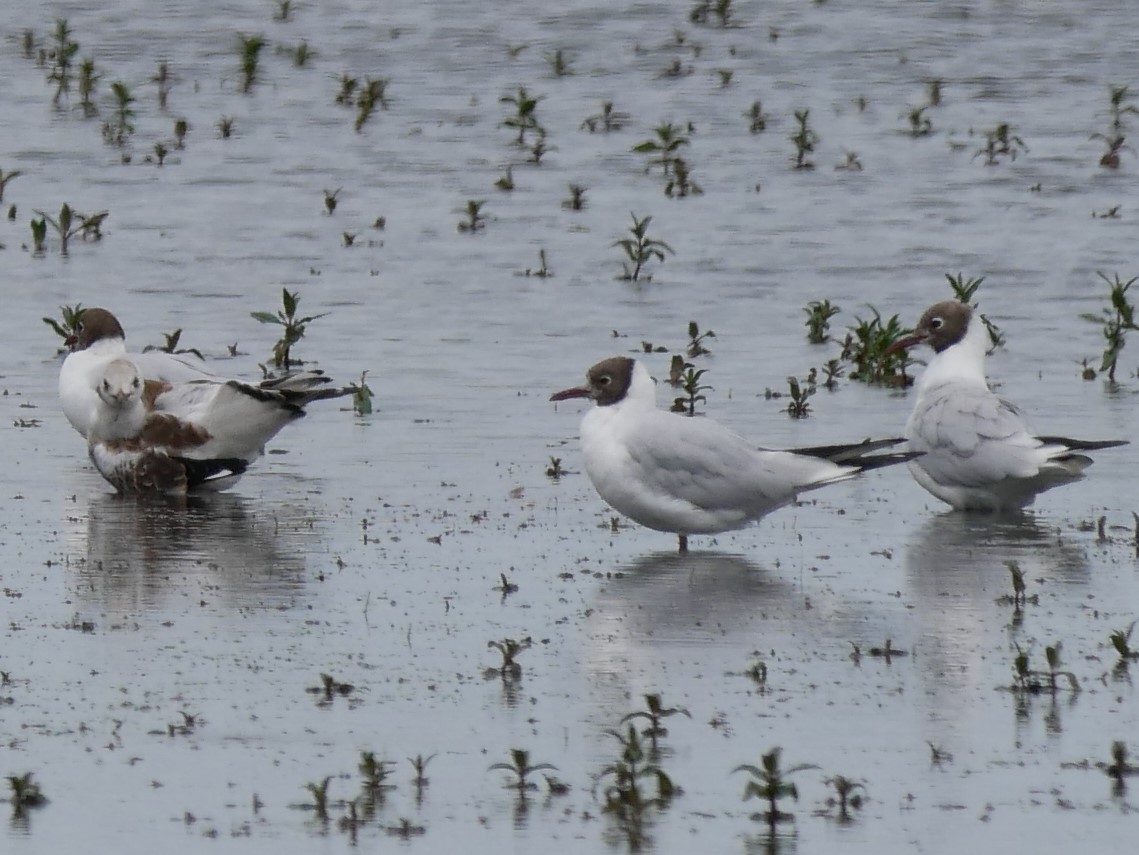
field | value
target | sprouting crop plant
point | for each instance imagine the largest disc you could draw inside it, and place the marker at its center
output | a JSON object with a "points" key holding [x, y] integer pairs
{"points": [[805, 140], [669, 138], [249, 48], [640, 249], [171, 345], [607, 121], [1027, 680], [690, 383], [1117, 319], [292, 327], [1000, 142], [525, 118], [62, 54], [867, 347], [476, 219], [654, 713], [632, 786], [70, 321], [509, 649], [819, 314], [964, 291], [769, 782], [520, 769]]}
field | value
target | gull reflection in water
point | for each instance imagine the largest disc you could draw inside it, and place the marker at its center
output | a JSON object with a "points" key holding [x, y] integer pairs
{"points": [[139, 554], [704, 614], [957, 569]]}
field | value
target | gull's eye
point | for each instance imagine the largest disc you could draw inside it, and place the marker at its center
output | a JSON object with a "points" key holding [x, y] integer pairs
{"points": [[106, 386], [604, 380], [136, 382], [935, 323]]}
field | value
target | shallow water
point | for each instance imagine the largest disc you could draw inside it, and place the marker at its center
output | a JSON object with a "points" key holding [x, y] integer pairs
{"points": [[370, 549]]}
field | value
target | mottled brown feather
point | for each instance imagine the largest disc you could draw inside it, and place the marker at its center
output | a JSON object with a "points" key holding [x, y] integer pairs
{"points": [[151, 389]]}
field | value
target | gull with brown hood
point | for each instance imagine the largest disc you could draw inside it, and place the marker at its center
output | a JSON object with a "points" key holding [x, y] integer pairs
{"points": [[977, 449], [693, 476], [178, 410]]}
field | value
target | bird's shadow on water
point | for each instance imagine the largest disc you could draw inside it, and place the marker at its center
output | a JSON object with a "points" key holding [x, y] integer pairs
{"points": [[138, 553]]}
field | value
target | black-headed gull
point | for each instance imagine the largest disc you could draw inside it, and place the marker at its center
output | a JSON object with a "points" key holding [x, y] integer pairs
{"points": [[141, 411], [141, 451], [169, 380], [692, 475], [978, 451]]}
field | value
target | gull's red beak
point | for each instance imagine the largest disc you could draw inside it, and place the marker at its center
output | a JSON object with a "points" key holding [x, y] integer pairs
{"points": [[907, 342], [71, 341]]}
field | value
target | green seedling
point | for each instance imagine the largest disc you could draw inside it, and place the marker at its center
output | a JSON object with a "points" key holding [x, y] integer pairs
{"points": [[963, 291], [6, 178], [634, 786], [712, 11], [725, 75], [676, 368], [373, 94], [1115, 143], [819, 314], [607, 120], [163, 80], [171, 345], [542, 271], [160, 152], [362, 396], [1121, 641], [67, 226], [934, 87], [331, 200], [696, 339], [846, 795], [1000, 142], [887, 652], [1019, 597], [693, 391], [347, 93], [62, 54], [319, 794], [39, 235], [555, 470], [756, 118], [669, 138], [91, 225], [675, 69], [640, 249], [867, 347], [576, 200], [250, 47], [521, 769], [89, 78], [476, 219], [1117, 320], [1029, 681], [757, 673], [1119, 106], [118, 128], [525, 119], [284, 10], [301, 53], [920, 123], [681, 184], [26, 793], [349, 238], [293, 328], [181, 126], [769, 782], [559, 62], [849, 163], [506, 182], [799, 393], [29, 43], [509, 649], [832, 371], [654, 713], [225, 127], [505, 587], [805, 140], [186, 726], [938, 755], [538, 148], [375, 773]]}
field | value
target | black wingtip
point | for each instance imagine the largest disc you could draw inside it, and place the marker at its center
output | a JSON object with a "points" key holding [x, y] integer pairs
{"points": [[877, 461], [1083, 444], [198, 472], [850, 453]]}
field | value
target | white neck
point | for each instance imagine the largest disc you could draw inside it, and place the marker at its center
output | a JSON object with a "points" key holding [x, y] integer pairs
{"points": [[642, 392], [118, 422], [961, 362]]}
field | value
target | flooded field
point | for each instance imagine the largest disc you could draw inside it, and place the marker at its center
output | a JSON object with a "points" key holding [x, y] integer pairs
{"points": [[178, 674]]}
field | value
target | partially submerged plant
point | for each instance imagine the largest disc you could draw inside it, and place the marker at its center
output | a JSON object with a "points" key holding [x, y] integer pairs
{"points": [[506, 182], [331, 200], [293, 327], [1029, 681], [693, 391], [118, 128], [1121, 641], [1000, 142], [681, 184], [525, 119], [225, 127], [6, 178], [669, 138], [920, 124], [799, 393], [607, 120], [70, 325], [867, 346], [640, 249], [67, 226], [757, 119], [709, 11], [163, 80], [805, 140], [846, 795], [963, 291], [250, 48], [362, 395], [542, 271], [559, 62], [509, 649], [373, 94], [635, 785], [819, 314], [1117, 321], [26, 793], [375, 773], [1119, 769], [476, 219], [769, 782], [89, 79], [419, 764], [62, 54], [654, 713], [171, 345], [696, 339], [521, 769], [319, 794], [555, 470], [576, 200]]}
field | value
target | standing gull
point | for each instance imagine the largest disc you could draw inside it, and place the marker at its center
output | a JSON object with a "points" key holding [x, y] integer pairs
{"points": [[692, 475], [978, 452]]}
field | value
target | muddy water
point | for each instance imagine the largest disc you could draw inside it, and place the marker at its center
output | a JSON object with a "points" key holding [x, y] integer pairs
{"points": [[160, 658]]}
